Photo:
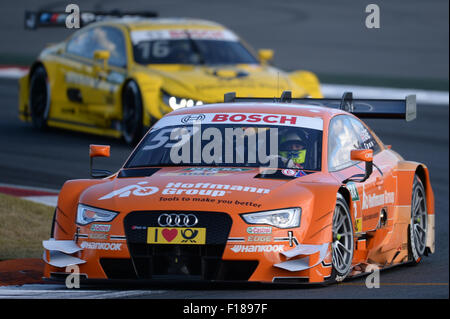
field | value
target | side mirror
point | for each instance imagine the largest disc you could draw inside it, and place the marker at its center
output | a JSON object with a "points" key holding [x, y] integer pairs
{"points": [[103, 56], [364, 156], [98, 151], [265, 55], [361, 155]]}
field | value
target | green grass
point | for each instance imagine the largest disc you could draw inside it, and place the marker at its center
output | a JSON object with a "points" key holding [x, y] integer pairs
{"points": [[23, 227]]}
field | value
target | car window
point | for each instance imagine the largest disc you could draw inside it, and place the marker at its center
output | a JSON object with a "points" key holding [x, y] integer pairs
{"points": [[209, 47], [100, 38], [112, 40], [259, 140], [82, 44], [342, 138], [366, 139]]}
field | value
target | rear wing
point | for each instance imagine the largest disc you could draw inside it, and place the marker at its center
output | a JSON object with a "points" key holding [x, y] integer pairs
{"points": [[363, 108], [45, 18]]}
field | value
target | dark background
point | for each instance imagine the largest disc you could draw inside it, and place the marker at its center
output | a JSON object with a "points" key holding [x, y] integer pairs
{"points": [[328, 37]]}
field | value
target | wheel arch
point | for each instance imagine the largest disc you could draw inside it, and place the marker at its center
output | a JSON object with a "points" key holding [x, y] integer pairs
{"points": [[406, 172]]}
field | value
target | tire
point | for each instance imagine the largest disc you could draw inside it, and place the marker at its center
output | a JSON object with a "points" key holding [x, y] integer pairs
{"points": [[39, 100], [417, 230], [343, 242], [52, 230], [132, 126]]}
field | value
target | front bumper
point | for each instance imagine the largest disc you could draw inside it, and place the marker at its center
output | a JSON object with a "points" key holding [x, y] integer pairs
{"points": [[222, 258]]}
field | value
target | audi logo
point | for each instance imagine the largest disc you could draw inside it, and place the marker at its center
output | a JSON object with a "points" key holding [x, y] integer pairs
{"points": [[177, 220]]}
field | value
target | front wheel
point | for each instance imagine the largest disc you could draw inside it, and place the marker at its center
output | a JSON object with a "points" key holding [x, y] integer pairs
{"points": [[418, 224], [342, 244], [39, 98], [132, 126]]}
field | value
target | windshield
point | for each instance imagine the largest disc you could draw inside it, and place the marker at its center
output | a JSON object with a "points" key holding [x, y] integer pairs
{"points": [[211, 47], [232, 140]]}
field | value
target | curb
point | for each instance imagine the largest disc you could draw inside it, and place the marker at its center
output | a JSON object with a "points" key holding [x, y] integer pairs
{"points": [[21, 271], [44, 196]]}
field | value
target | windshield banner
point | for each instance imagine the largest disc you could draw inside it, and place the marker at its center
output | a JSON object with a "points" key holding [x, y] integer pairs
{"points": [[242, 118], [180, 34]]}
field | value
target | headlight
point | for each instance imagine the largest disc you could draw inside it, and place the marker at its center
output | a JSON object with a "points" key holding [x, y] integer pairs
{"points": [[177, 102], [87, 214], [282, 218]]}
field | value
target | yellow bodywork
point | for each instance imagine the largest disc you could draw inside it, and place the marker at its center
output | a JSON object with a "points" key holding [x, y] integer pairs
{"points": [[101, 84]]}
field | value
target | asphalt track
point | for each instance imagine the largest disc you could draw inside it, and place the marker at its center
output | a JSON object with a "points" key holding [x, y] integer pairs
{"points": [[47, 159]]}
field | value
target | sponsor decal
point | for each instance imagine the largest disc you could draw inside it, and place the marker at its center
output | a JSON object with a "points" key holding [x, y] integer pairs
{"points": [[208, 189], [374, 200], [257, 248], [164, 235], [245, 118], [206, 171], [174, 188], [179, 34], [100, 228], [293, 172], [371, 216], [259, 230], [98, 236], [358, 225], [192, 118], [259, 238], [135, 189], [288, 172], [138, 227], [101, 246], [351, 186]]}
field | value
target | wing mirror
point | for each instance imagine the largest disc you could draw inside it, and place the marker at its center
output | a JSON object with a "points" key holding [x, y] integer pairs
{"points": [[361, 156], [265, 55], [102, 56], [98, 151]]}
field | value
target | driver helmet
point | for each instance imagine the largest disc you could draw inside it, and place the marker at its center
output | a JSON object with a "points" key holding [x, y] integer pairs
{"points": [[292, 147]]}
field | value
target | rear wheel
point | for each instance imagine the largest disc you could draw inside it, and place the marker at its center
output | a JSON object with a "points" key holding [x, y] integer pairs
{"points": [[342, 245], [39, 98], [132, 126], [418, 224]]}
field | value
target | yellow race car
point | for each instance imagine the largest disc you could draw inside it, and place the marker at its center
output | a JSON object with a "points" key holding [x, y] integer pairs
{"points": [[118, 76]]}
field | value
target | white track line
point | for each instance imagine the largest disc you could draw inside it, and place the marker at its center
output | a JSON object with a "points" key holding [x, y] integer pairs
{"points": [[24, 293]]}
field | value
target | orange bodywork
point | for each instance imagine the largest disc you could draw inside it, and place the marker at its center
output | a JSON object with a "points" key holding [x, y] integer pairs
{"points": [[250, 252]]}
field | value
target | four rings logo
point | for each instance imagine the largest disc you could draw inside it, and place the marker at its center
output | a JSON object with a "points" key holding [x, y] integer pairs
{"points": [[192, 117], [179, 220]]}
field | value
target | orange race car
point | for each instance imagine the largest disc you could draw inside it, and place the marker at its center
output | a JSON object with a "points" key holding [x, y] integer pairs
{"points": [[265, 190]]}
